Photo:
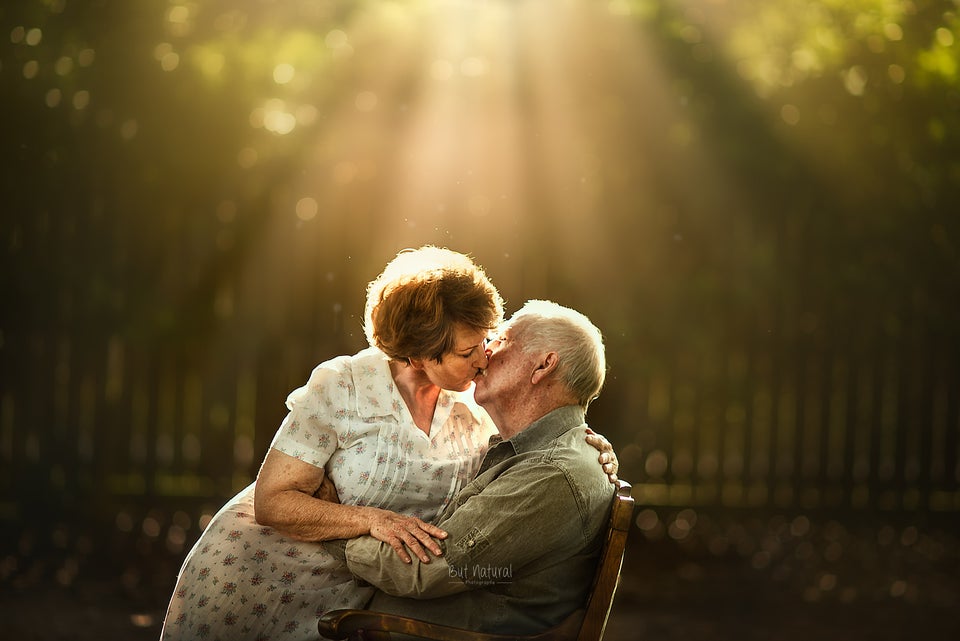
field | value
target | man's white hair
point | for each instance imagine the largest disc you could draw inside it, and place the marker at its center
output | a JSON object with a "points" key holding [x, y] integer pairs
{"points": [[542, 325]]}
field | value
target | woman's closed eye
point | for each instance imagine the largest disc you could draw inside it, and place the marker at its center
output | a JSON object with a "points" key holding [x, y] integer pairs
{"points": [[473, 350]]}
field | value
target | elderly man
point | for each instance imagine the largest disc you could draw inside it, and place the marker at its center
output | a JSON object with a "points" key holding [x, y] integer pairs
{"points": [[524, 536]]}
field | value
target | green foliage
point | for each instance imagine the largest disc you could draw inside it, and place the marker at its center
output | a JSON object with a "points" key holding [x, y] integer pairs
{"points": [[803, 166]]}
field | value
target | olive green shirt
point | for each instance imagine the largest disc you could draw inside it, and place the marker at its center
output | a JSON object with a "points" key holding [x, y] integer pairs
{"points": [[523, 537]]}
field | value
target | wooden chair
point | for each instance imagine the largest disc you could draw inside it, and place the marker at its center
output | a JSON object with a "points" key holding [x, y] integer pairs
{"points": [[585, 624]]}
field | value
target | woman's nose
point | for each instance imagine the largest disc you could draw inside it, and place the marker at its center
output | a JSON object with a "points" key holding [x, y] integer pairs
{"points": [[483, 359]]}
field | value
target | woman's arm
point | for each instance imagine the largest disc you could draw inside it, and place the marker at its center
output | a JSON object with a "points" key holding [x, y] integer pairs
{"points": [[284, 499]]}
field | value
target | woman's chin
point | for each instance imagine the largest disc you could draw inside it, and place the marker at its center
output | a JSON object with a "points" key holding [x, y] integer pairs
{"points": [[465, 387]]}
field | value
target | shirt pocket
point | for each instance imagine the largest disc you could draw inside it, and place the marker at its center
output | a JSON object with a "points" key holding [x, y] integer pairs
{"points": [[472, 543]]}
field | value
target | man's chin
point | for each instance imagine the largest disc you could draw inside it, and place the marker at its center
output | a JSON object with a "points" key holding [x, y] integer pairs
{"points": [[477, 387]]}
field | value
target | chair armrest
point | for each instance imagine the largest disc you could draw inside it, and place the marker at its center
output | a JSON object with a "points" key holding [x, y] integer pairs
{"points": [[340, 624], [377, 626]]}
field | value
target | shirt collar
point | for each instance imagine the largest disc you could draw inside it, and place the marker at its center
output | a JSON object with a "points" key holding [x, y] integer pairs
{"points": [[547, 428]]}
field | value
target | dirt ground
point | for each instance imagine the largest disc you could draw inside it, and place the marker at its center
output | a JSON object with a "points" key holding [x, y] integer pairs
{"points": [[687, 577]]}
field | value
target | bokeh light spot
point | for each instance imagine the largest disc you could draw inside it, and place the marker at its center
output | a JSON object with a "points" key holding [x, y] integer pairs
{"points": [[124, 522], [86, 57], [170, 61], [161, 50], [790, 114], [277, 119], [30, 69], [151, 527], [336, 39], [81, 99], [178, 19], [897, 73], [855, 80], [63, 66], [944, 37], [33, 37], [178, 14], [141, 620], [53, 97], [800, 526], [656, 464], [893, 31], [306, 209], [283, 73]]}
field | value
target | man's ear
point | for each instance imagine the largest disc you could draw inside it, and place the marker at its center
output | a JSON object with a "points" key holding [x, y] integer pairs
{"points": [[546, 366]]}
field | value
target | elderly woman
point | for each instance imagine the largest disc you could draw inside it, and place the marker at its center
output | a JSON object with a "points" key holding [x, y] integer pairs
{"points": [[396, 430]]}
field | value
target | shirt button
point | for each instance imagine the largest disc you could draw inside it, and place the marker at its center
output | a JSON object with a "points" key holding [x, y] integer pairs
{"points": [[471, 543]]}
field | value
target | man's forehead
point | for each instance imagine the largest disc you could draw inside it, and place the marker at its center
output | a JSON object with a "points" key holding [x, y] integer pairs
{"points": [[509, 329]]}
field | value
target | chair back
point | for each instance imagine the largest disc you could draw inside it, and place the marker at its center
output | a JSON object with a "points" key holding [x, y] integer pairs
{"points": [[607, 578]]}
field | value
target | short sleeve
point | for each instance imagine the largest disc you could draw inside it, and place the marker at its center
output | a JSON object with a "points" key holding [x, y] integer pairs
{"points": [[317, 413]]}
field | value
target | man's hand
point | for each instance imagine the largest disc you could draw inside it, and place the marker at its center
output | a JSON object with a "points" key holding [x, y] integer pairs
{"points": [[608, 458], [406, 531]]}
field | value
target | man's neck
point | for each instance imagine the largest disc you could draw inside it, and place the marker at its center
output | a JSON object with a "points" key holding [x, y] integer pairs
{"points": [[522, 410]]}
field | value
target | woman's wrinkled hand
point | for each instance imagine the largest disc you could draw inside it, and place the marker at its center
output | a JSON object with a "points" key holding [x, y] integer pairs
{"points": [[401, 532], [608, 458]]}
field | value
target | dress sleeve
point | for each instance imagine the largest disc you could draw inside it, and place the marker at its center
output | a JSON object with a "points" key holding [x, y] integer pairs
{"points": [[317, 415]]}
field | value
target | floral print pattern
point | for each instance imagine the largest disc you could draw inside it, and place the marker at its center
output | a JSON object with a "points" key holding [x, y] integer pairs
{"points": [[242, 580]]}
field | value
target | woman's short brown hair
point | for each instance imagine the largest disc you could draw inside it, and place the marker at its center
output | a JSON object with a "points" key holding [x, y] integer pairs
{"points": [[415, 305]]}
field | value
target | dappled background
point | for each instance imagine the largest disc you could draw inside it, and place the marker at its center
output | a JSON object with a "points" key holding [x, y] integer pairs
{"points": [[755, 200]]}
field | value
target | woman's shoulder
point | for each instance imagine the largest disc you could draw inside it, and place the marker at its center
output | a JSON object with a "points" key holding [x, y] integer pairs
{"points": [[351, 366], [336, 378]]}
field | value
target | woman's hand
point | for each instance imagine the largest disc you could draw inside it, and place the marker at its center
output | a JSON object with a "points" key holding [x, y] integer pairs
{"points": [[398, 531], [608, 458]]}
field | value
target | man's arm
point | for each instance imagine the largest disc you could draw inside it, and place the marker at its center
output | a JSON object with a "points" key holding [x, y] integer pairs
{"points": [[376, 563], [529, 511]]}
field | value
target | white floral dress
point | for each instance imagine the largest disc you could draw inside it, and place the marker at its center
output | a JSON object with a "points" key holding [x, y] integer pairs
{"points": [[243, 580]]}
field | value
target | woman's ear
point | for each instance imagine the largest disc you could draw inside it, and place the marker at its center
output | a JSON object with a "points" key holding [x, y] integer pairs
{"points": [[546, 366], [415, 363]]}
